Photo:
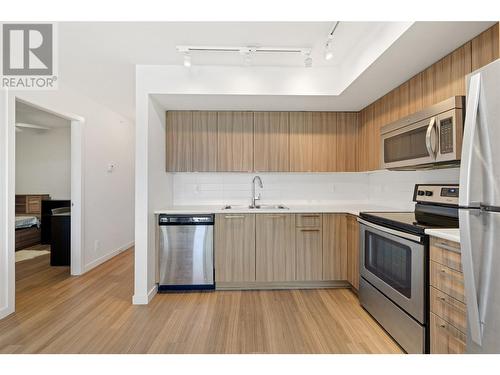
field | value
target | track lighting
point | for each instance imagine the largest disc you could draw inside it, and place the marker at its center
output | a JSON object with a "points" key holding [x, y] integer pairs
{"points": [[187, 59], [329, 43], [247, 52]]}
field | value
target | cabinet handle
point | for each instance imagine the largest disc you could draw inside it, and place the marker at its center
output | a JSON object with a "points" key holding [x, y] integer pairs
{"points": [[309, 230], [442, 325], [442, 299], [275, 216], [312, 215], [234, 217]]}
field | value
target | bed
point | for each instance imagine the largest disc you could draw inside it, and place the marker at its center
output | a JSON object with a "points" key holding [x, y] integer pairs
{"points": [[27, 231], [28, 210]]}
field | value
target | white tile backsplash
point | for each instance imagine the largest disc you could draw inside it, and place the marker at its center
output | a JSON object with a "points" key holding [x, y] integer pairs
{"points": [[389, 187]]}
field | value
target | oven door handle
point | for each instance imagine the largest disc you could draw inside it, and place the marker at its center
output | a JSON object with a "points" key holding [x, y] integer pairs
{"points": [[394, 232]]}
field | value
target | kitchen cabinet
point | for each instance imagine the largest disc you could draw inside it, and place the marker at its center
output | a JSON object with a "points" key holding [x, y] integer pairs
{"points": [[235, 139], [271, 142], [301, 142], [353, 251], [235, 248], [275, 247], [204, 144], [346, 141], [335, 247], [179, 131], [324, 141], [309, 249], [441, 80], [448, 310]]}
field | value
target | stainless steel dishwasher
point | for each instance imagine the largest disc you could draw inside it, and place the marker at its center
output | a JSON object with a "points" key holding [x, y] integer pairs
{"points": [[186, 252]]}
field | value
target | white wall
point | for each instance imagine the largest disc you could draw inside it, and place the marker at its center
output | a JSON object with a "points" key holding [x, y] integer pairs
{"points": [[108, 210], [43, 162]]}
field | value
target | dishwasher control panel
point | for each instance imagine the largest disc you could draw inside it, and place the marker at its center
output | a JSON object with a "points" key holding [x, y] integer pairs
{"points": [[166, 219]]}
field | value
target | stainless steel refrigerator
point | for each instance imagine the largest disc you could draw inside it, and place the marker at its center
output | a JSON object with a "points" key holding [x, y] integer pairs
{"points": [[480, 209]]}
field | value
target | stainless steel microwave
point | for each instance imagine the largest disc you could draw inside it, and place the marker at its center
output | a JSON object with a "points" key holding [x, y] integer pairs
{"points": [[429, 138]]}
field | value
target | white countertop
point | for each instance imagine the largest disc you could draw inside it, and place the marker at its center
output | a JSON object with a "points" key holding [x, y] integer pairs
{"points": [[353, 208], [446, 234]]}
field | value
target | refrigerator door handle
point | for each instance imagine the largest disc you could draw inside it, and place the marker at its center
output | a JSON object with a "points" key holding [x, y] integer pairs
{"points": [[475, 327], [470, 130]]}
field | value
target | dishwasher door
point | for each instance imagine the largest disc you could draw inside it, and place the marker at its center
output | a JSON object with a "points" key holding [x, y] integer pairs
{"points": [[186, 255]]}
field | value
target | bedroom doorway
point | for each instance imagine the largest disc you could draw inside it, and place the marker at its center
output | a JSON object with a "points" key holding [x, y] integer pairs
{"points": [[43, 188], [48, 185]]}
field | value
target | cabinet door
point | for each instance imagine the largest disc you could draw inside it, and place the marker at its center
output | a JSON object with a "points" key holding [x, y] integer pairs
{"points": [[204, 141], [353, 251], [347, 132], [335, 247], [275, 247], [235, 141], [179, 141], [309, 253], [445, 339], [301, 142], [324, 141], [235, 248], [271, 143]]}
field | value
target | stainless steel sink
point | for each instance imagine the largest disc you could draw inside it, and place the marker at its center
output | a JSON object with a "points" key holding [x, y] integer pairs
{"points": [[258, 207]]}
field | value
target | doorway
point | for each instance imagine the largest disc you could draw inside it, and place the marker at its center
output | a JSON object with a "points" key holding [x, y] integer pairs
{"points": [[8, 189]]}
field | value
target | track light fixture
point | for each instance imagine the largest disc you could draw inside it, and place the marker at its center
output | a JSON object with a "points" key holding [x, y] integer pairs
{"points": [[246, 51], [329, 43]]}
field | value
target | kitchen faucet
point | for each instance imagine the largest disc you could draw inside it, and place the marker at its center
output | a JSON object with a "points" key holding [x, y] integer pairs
{"points": [[255, 198]]}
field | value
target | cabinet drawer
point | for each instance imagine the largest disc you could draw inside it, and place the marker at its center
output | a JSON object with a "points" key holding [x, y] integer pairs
{"points": [[447, 280], [449, 309], [445, 339], [446, 253], [308, 220]]}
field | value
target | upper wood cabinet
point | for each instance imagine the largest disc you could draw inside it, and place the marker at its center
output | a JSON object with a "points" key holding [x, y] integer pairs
{"points": [[335, 247], [235, 141], [271, 142], [324, 140], [204, 141], [179, 142], [346, 141], [301, 142], [235, 248], [275, 247]]}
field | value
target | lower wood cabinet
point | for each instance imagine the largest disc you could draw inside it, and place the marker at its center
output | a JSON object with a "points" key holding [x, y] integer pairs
{"points": [[335, 247], [235, 248], [448, 311], [353, 251], [309, 247], [275, 247]]}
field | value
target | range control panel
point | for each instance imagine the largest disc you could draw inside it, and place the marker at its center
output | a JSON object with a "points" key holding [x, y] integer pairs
{"points": [[438, 194]]}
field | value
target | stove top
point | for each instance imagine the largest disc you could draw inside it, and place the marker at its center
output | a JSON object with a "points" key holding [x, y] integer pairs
{"points": [[413, 222]]}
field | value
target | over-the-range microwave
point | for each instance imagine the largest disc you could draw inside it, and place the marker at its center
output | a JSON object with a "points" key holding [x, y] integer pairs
{"points": [[430, 138]]}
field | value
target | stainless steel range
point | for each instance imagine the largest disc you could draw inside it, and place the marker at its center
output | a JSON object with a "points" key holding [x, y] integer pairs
{"points": [[394, 252]]}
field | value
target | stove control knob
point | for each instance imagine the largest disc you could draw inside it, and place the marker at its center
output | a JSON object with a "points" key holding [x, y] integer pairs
{"points": [[428, 193], [420, 192]]}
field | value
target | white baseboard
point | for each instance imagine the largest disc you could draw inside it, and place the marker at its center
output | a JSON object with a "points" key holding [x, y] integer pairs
{"points": [[5, 311], [144, 299], [107, 257]]}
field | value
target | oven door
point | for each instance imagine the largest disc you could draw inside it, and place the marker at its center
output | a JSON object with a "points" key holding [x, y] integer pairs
{"points": [[394, 263]]}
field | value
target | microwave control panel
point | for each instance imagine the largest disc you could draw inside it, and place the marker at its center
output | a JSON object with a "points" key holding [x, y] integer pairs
{"points": [[446, 135]]}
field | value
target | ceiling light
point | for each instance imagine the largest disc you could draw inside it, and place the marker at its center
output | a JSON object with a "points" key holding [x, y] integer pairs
{"points": [[329, 43], [187, 59]]}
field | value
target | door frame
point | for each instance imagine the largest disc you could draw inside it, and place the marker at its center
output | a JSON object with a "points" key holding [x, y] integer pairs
{"points": [[77, 196]]}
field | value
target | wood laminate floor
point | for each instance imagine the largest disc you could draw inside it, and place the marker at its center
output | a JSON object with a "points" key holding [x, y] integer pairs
{"points": [[58, 313]]}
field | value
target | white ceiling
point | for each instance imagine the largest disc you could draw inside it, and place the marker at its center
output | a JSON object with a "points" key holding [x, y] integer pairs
{"points": [[28, 114], [99, 58]]}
